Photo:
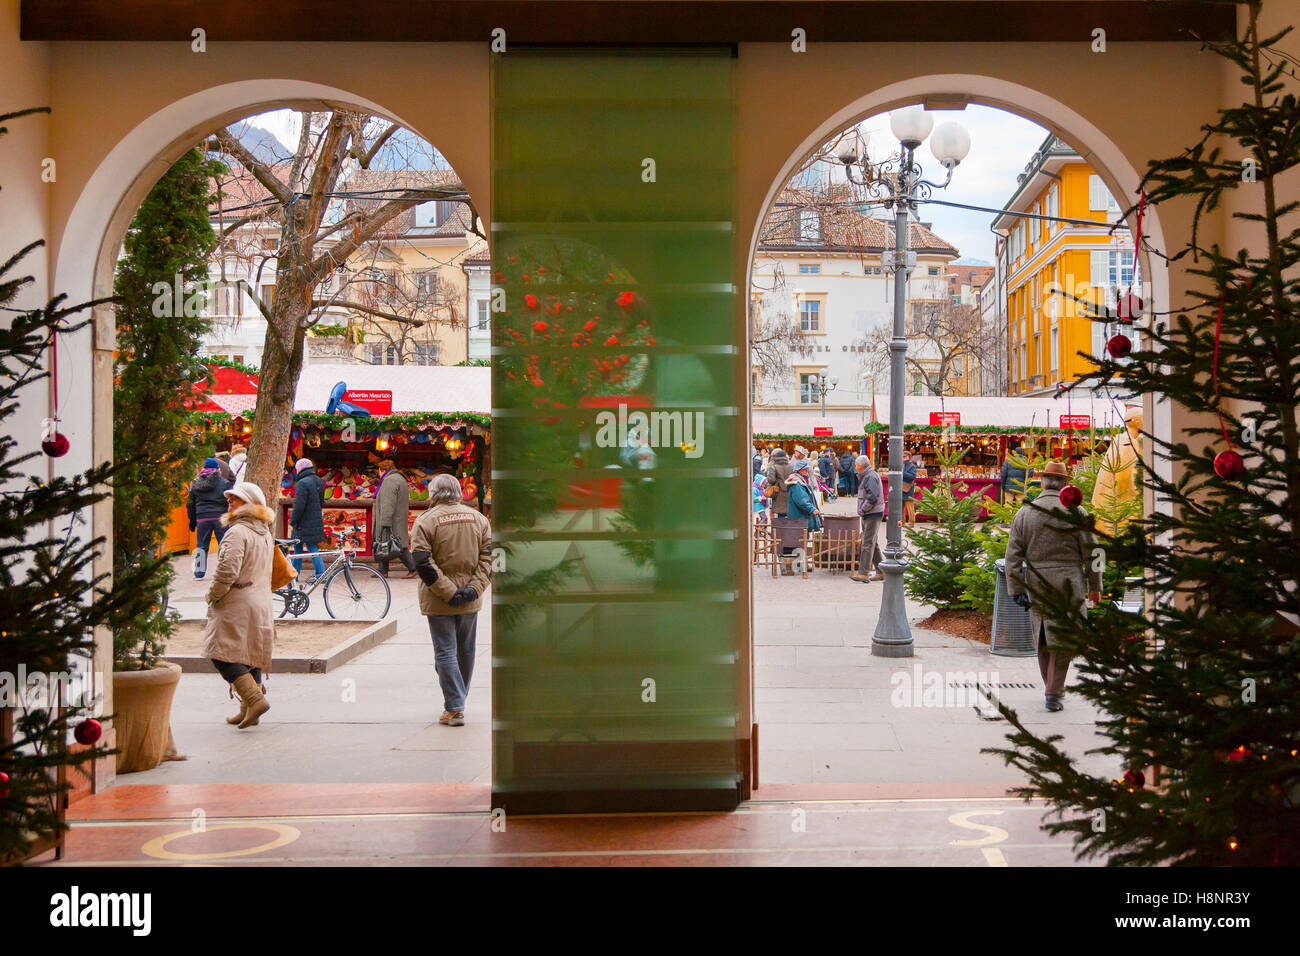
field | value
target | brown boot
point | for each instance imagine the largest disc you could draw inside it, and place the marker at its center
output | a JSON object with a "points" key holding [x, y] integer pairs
{"points": [[255, 702], [243, 708]]}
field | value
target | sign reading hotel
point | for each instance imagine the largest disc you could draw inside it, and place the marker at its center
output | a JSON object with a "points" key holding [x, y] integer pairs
{"points": [[1076, 421], [945, 418], [377, 401]]}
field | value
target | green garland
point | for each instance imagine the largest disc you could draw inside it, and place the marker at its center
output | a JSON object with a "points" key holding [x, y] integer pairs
{"points": [[974, 430], [228, 363], [364, 426]]}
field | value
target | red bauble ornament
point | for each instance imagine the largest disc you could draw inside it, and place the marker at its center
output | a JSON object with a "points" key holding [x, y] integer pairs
{"points": [[4, 784], [88, 731], [1071, 496], [1119, 346], [1135, 779], [1228, 464], [1130, 307], [56, 446]]}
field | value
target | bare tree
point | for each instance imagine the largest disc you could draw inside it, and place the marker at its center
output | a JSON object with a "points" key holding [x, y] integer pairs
{"points": [[315, 233], [946, 342], [774, 333]]}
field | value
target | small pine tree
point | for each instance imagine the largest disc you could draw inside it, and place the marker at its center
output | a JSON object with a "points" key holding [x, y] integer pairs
{"points": [[939, 552], [50, 598], [1213, 695], [160, 288]]}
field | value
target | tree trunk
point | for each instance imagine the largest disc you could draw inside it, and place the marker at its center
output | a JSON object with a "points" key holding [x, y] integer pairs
{"points": [[282, 358]]}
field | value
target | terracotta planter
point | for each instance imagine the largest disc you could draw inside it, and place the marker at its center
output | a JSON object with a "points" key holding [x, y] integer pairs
{"points": [[142, 705]]}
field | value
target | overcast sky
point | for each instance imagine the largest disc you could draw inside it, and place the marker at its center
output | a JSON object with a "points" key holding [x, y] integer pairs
{"points": [[1001, 144]]}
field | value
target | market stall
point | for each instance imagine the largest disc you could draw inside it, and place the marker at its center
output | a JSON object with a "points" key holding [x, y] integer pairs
{"points": [[987, 428], [427, 420]]}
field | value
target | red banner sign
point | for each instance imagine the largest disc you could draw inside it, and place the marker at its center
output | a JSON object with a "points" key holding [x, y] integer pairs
{"points": [[945, 418], [823, 431], [375, 401], [1076, 421]]}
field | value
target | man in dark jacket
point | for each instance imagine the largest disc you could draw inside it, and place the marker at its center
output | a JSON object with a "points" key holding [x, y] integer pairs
{"points": [[1015, 477], [826, 468], [871, 510], [848, 474], [205, 506], [307, 521]]}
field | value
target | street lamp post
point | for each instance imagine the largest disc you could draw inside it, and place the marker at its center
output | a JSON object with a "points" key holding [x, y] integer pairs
{"points": [[818, 382], [903, 190]]}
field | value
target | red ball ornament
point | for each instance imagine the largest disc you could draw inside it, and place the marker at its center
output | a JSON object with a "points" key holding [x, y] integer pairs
{"points": [[88, 731], [4, 784], [1119, 346], [1071, 496], [1135, 779], [56, 446], [1130, 307], [1228, 464]]}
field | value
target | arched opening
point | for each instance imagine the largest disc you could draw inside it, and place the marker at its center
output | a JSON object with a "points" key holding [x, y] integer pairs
{"points": [[430, 261], [825, 655]]}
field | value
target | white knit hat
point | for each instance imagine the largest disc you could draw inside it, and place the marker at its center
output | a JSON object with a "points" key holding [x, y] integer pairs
{"points": [[249, 492]]}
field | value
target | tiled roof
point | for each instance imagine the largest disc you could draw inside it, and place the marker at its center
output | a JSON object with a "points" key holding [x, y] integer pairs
{"points": [[843, 228]]}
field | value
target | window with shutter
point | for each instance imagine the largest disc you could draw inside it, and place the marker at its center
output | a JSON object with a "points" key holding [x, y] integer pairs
{"points": [[1098, 197]]}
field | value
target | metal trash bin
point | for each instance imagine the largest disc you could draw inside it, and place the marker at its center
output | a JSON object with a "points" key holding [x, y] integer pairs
{"points": [[1012, 635]]}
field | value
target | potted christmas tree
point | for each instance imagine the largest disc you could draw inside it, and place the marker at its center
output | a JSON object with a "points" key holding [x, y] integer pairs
{"points": [[1210, 693], [157, 362], [51, 600]]}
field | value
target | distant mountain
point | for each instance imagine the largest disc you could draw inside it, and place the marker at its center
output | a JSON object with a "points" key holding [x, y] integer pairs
{"points": [[971, 261], [263, 144]]}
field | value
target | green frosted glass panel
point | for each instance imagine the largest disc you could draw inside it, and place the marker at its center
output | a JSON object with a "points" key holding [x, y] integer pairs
{"points": [[615, 382]]}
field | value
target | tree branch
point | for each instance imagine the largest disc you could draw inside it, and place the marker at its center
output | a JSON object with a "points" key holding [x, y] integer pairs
{"points": [[261, 172], [358, 307]]}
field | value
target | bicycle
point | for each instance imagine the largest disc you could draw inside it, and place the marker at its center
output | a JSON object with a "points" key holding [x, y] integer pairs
{"points": [[363, 596]]}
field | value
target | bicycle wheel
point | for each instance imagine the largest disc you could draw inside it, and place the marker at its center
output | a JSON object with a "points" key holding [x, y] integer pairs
{"points": [[357, 593]]}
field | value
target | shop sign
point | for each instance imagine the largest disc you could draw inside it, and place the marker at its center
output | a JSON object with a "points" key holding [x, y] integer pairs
{"points": [[377, 401], [823, 431], [945, 418], [1076, 421]]}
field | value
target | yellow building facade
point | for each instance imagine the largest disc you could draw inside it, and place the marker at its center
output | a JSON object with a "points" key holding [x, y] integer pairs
{"points": [[1054, 267]]}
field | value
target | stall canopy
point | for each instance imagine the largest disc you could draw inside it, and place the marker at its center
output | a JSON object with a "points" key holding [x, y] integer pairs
{"points": [[989, 412], [413, 388]]}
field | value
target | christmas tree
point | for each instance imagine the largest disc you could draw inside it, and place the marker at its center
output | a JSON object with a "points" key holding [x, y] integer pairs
{"points": [[50, 598], [1201, 693], [160, 288], [939, 553]]}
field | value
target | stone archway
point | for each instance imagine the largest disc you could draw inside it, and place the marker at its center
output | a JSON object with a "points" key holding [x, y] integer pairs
{"points": [[949, 91], [84, 270]]}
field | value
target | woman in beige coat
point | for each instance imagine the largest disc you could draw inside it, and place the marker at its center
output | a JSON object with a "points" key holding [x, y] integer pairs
{"points": [[240, 628]]}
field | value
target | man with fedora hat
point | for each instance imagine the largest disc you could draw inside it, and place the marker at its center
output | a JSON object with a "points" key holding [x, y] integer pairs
{"points": [[1044, 550]]}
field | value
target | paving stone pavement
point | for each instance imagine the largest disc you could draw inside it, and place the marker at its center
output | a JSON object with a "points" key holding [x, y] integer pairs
{"points": [[828, 711]]}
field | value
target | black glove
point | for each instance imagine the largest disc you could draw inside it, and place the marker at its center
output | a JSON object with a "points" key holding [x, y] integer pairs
{"points": [[463, 596], [427, 572], [1022, 600]]}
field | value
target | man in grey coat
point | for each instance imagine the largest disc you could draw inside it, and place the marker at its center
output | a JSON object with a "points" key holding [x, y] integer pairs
{"points": [[871, 511], [1042, 552], [391, 513]]}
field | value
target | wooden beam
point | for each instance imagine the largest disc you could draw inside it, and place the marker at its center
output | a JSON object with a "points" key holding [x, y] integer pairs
{"points": [[575, 22]]}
